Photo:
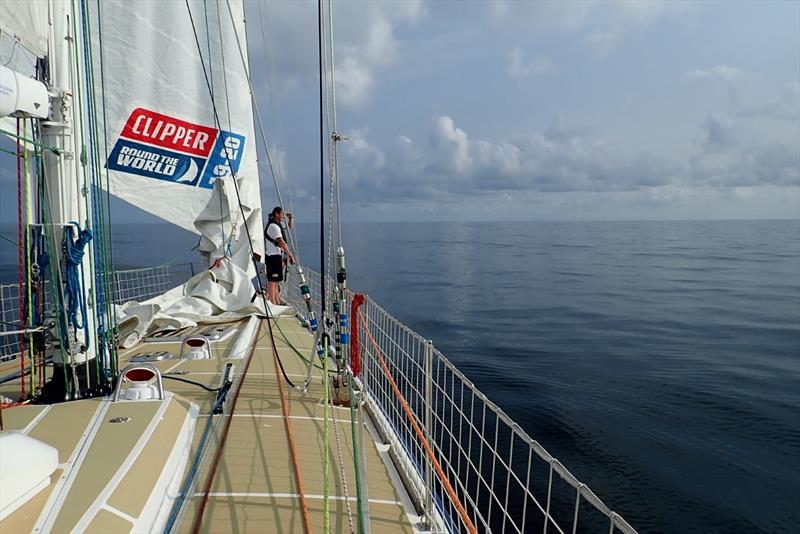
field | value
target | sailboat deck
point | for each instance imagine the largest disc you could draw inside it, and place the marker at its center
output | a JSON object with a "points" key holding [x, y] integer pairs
{"points": [[255, 489], [254, 486]]}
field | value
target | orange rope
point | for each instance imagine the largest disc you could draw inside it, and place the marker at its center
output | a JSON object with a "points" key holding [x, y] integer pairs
{"points": [[218, 455], [290, 436], [428, 450]]}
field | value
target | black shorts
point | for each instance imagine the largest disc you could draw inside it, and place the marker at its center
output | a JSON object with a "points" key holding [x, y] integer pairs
{"points": [[275, 268]]}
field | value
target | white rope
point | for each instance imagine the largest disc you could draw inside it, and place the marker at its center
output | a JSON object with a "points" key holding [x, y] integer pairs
{"points": [[344, 476]]}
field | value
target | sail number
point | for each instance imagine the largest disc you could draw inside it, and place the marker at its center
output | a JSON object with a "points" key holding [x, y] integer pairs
{"points": [[228, 154]]}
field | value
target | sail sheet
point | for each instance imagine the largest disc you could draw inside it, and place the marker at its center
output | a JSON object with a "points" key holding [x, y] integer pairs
{"points": [[26, 22], [179, 136]]}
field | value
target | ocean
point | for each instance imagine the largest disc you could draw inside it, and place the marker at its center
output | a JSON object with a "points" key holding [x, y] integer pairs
{"points": [[658, 361]]}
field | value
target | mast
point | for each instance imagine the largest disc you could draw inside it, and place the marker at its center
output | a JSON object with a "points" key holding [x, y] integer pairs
{"points": [[67, 197]]}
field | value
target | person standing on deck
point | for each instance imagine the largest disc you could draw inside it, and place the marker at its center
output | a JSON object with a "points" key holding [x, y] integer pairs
{"points": [[276, 247]]}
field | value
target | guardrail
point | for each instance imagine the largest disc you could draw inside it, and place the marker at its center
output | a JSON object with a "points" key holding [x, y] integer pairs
{"points": [[488, 466], [129, 284]]}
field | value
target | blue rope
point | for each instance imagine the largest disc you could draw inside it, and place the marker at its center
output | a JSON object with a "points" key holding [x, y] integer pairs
{"points": [[76, 299]]}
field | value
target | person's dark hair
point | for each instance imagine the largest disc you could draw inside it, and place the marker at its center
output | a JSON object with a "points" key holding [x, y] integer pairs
{"points": [[276, 210]]}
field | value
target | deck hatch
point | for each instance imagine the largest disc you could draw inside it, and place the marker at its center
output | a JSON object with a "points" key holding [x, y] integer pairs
{"points": [[147, 357], [211, 332]]}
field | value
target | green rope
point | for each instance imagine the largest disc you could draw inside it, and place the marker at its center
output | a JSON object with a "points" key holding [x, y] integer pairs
{"points": [[81, 84], [353, 423], [98, 209], [52, 149], [326, 520], [109, 252], [11, 152]]}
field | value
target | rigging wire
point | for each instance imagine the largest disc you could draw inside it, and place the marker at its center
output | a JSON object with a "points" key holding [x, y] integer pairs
{"points": [[278, 136], [258, 119], [114, 354], [321, 171]]}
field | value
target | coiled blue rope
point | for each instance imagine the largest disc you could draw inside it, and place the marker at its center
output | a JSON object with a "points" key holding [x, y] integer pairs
{"points": [[76, 298]]}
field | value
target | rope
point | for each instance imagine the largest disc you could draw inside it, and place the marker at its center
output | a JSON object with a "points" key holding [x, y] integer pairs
{"points": [[97, 261], [421, 435], [292, 449], [19, 137], [343, 473], [108, 233], [15, 243], [20, 245], [199, 516], [260, 124], [326, 520], [76, 298], [28, 274], [353, 422], [55, 275]]}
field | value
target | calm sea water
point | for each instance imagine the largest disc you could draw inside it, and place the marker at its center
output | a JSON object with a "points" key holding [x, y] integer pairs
{"points": [[659, 361]]}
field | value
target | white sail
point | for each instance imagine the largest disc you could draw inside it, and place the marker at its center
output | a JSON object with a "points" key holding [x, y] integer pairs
{"points": [[26, 21], [172, 149], [179, 143]]}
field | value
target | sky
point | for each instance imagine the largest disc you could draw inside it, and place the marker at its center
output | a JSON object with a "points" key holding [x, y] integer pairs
{"points": [[609, 110]]}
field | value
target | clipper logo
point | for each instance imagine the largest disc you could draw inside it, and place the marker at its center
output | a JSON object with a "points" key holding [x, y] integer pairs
{"points": [[159, 146]]}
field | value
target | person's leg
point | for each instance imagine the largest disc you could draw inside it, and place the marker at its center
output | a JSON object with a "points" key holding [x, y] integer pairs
{"points": [[272, 292]]}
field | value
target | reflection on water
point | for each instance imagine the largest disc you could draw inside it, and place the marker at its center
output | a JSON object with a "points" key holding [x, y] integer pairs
{"points": [[659, 361]]}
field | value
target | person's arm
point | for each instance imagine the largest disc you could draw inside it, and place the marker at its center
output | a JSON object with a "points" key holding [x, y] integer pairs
{"points": [[284, 247]]}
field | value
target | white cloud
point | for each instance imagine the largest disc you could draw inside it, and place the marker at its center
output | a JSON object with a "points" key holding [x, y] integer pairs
{"points": [[453, 163], [353, 82], [720, 134], [729, 157], [601, 44], [785, 106], [450, 145], [559, 15], [455, 167], [518, 68], [719, 72], [606, 22], [365, 42]]}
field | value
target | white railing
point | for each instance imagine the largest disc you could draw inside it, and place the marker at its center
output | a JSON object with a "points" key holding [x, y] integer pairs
{"points": [[129, 284], [492, 476]]}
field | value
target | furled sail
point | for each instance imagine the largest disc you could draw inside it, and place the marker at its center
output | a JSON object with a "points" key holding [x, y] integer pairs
{"points": [[178, 117]]}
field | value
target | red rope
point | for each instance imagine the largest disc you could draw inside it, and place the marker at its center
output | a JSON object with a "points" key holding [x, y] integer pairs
{"points": [[21, 276], [198, 518], [355, 355]]}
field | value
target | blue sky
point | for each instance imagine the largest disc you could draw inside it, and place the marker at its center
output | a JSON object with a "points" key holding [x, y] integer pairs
{"points": [[536, 110]]}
